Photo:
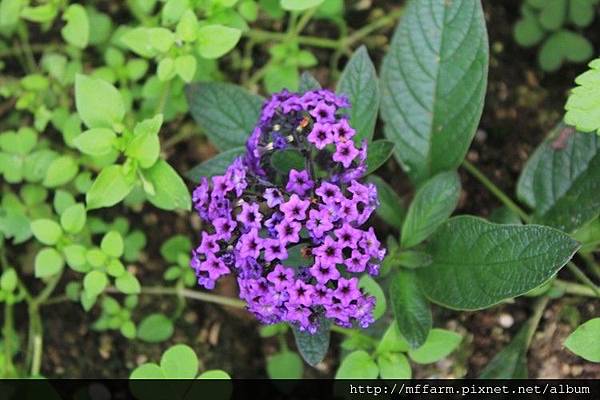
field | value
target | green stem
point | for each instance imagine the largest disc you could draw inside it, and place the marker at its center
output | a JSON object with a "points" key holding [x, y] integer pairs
{"points": [[45, 294], [496, 191], [36, 343], [379, 23], [164, 95], [303, 21], [534, 320], [574, 288], [260, 36], [354, 333], [190, 294], [591, 264], [8, 333], [583, 277]]}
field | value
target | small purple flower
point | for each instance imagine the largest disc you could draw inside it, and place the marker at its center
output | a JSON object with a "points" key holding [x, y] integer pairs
{"points": [[223, 228], [295, 208], [321, 135], [301, 293], [208, 244], [324, 273], [342, 131], [348, 236], [281, 277], [329, 192], [299, 182], [357, 261], [323, 112], [345, 153], [250, 217], [347, 290], [319, 222], [273, 197], [288, 231], [329, 252], [274, 250], [214, 267], [250, 244]]}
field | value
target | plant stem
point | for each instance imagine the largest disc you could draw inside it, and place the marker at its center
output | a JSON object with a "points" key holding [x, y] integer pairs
{"points": [[260, 36], [7, 333], [354, 333], [379, 23], [304, 20], [534, 320], [190, 294], [583, 277], [496, 191], [591, 264], [574, 288], [164, 95], [35, 340]]}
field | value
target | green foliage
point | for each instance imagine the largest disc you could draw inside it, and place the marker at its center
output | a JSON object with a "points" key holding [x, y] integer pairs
{"points": [[357, 365], [155, 328], [583, 107], [313, 347], [430, 106], [546, 23], [439, 344], [285, 365], [585, 340], [378, 153]]}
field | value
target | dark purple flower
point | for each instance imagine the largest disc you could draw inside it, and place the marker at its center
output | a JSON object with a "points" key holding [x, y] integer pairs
{"points": [[295, 208], [321, 135], [345, 153], [299, 182]]}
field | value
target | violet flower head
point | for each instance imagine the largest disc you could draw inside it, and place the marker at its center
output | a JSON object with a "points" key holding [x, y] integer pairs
{"points": [[294, 237]]}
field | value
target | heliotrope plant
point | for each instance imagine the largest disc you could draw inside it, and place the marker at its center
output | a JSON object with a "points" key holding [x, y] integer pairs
{"points": [[258, 217]]}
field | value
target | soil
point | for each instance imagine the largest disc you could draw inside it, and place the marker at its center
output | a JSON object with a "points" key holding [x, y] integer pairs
{"points": [[522, 104]]}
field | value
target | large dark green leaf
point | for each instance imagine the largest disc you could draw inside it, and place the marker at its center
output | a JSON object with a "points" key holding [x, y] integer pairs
{"points": [[411, 308], [308, 82], [313, 347], [226, 113], [511, 361], [214, 166], [391, 208], [561, 180], [476, 264], [433, 84], [432, 205], [378, 153], [359, 83]]}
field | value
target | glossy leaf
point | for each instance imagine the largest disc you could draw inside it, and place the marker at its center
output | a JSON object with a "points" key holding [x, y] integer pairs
{"points": [[433, 84], [226, 113], [561, 180], [411, 308], [477, 264], [434, 202], [99, 103], [359, 83]]}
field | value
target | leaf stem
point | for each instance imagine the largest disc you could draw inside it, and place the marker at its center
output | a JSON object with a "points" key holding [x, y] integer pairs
{"points": [[496, 191], [8, 333], [534, 320], [591, 264], [574, 288], [583, 277], [190, 294], [259, 36], [354, 333]]}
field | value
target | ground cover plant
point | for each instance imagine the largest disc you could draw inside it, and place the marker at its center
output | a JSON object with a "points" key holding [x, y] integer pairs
{"points": [[296, 189]]}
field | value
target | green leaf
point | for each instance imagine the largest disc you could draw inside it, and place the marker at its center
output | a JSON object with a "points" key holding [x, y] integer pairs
{"points": [[60, 171], [128, 284], [75, 255], [308, 82], [225, 112], [73, 218], [359, 83], [174, 247], [394, 366], [313, 347], [392, 341], [95, 282], [299, 5], [585, 340], [214, 374], [357, 365], [438, 345], [433, 84], [553, 14], [411, 308], [112, 244], [48, 262], [96, 141], [286, 160], [564, 45], [187, 28], [562, 178], [9, 280], [161, 39], [147, 371], [378, 153], [391, 208], [214, 166], [583, 108], [145, 148], [179, 362], [9, 14], [110, 187], [155, 328], [434, 202], [372, 288], [511, 361], [472, 258], [136, 39], [46, 231], [185, 67], [99, 103], [285, 365], [170, 190], [128, 330], [215, 41], [77, 29]]}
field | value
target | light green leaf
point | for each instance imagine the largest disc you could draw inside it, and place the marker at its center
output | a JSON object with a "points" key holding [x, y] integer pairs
{"points": [[46, 231], [214, 166], [226, 113], [95, 282], [112, 244], [110, 187], [394, 366], [585, 340], [564, 45], [215, 41], [285, 365], [214, 374], [145, 148], [433, 84], [411, 308], [561, 180], [472, 260], [147, 371], [170, 190], [438, 345], [75, 255], [185, 67], [77, 29], [60, 171], [357, 365], [136, 39], [166, 69], [73, 218], [392, 341], [313, 347], [359, 83], [99, 103], [155, 328], [299, 5], [187, 28], [161, 39], [96, 141], [9, 280], [583, 107], [372, 288], [9, 13], [128, 284], [179, 362], [48, 262], [434, 202]]}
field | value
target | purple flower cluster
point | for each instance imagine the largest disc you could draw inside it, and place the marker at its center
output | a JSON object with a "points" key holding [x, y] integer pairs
{"points": [[293, 236]]}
